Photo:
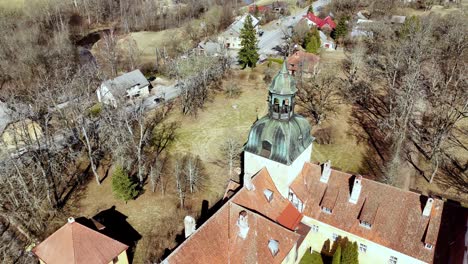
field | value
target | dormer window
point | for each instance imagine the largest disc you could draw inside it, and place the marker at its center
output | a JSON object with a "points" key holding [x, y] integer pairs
{"points": [[428, 246], [326, 210], [273, 245], [268, 194], [365, 224]]}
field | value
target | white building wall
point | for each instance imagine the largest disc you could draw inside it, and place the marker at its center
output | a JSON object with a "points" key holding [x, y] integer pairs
{"points": [[281, 174], [105, 96], [375, 253], [142, 91], [291, 257]]}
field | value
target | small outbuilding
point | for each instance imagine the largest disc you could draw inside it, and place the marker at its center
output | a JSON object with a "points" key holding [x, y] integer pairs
{"points": [[78, 244]]}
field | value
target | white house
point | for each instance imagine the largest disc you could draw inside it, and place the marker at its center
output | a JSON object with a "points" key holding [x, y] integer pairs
{"points": [[231, 37], [325, 42], [129, 85]]}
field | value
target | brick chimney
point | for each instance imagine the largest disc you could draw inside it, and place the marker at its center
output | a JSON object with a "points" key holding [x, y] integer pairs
{"points": [[356, 191], [190, 225], [428, 207], [243, 224], [326, 171]]}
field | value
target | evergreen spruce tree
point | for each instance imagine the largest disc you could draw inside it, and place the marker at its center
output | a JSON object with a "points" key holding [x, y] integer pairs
{"points": [[341, 30], [248, 54], [122, 186], [350, 254], [312, 44], [337, 256]]}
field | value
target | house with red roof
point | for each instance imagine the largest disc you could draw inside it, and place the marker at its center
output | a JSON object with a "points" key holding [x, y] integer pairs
{"points": [[78, 244], [313, 20], [287, 205]]}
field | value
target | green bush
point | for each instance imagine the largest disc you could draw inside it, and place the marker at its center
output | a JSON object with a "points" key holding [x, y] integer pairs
{"points": [[122, 186], [95, 110]]}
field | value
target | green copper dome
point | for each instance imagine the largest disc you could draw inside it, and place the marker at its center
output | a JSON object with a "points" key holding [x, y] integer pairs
{"points": [[281, 135], [283, 83], [278, 140]]}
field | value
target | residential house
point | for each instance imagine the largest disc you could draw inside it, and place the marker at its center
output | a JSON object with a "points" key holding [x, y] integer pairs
{"points": [[279, 7], [129, 85], [288, 205], [231, 37], [326, 42], [78, 244], [303, 63], [260, 9], [326, 23]]}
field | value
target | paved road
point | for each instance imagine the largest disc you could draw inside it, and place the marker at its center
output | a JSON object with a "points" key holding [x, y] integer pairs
{"points": [[274, 32]]}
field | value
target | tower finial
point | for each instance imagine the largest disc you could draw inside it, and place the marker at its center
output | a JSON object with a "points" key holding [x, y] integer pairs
{"points": [[284, 67]]}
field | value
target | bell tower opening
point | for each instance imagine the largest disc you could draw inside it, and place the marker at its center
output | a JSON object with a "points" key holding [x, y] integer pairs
{"points": [[281, 140]]}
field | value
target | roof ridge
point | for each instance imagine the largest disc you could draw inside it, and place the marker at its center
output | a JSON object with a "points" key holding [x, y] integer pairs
{"points": [[73, 242]]}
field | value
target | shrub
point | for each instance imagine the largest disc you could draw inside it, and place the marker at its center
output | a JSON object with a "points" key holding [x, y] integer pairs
{"points": [[95, 110]]}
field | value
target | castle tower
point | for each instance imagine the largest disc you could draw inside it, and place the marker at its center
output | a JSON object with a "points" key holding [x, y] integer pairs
{"points": [[281, 140]]}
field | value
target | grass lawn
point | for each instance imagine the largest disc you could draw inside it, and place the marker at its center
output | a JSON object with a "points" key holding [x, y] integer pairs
{"points": [[311, 258]]}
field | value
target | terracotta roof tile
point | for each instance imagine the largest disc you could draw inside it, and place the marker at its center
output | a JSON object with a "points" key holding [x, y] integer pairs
{"points": [[256, 201], [304, 61], [77, 244], [396, 215], [290, 217], [217, 241], [231, 189]]}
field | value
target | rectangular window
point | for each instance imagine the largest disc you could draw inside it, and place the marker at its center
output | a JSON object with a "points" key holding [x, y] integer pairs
{"points": [[335, 237], [392, 260], [315, 228], [365, 224], [362, 248]]}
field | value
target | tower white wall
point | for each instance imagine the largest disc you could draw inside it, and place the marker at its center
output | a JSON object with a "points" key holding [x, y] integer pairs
{"points": [[282, 175]]}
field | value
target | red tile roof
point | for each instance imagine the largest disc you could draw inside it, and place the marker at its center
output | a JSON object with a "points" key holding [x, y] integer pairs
{"points": [[302, 60], [395, 214], [77, 244], [261, 9], [321, 22], [217, 241], [290, 217], [256, 201]]}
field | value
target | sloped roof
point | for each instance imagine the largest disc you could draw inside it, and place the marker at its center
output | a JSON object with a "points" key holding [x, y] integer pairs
{"points": [[126, 81], [256, 201], [217, 241], [283, 83], [290, 217], [77, 244], [239, 24], [303, 61], [321, 22], [395, 214]]}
